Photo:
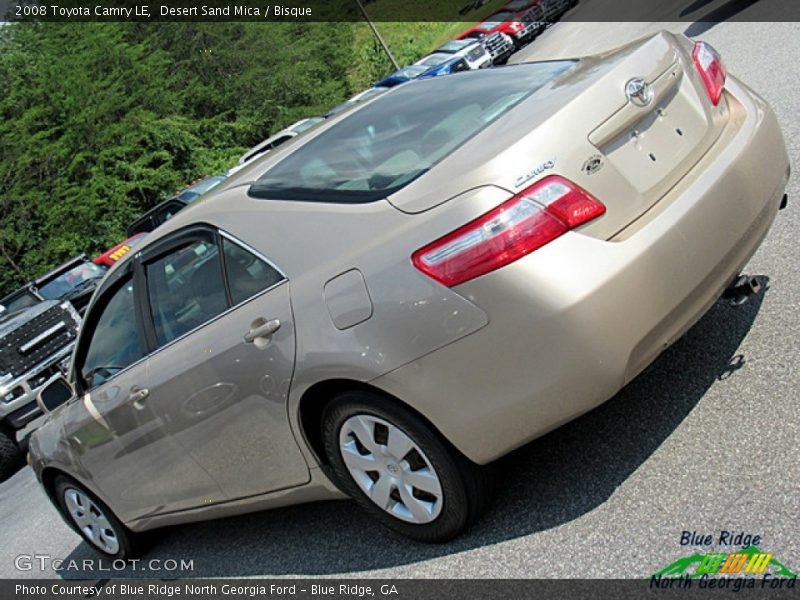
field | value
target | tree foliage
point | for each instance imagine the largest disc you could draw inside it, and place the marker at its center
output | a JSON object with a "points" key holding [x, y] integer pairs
{"points": [[100, 121]]}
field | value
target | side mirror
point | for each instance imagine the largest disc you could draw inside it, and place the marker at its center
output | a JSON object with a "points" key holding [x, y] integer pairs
{"points": [[54, 394]]}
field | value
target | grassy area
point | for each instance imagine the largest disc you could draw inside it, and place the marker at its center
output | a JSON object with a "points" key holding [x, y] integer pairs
{"points": [[408, 41]]}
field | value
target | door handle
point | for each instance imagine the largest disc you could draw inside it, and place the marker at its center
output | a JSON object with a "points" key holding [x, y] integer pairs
{"points": [[263, 330], [138, 396]]}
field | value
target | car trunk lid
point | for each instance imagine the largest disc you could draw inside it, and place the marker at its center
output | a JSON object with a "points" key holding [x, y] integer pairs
{"points": [[626, 152]]}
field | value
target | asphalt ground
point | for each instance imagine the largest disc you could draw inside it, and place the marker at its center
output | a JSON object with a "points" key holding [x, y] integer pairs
{"points": [[705, 440]]}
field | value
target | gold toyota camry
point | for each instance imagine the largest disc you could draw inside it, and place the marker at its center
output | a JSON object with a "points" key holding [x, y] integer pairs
{"points": [[410, 290]]}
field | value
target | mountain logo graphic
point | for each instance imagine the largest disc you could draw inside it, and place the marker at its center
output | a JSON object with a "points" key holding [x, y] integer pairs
{"points": [[748, 561]]}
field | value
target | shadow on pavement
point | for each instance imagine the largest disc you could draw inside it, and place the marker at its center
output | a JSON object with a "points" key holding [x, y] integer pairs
{"points": [[723, 13], [549, 482]]}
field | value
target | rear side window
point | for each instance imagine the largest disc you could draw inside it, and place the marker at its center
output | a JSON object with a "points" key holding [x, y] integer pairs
{"points": [[381, 148], [115, 342], [169, 211], [186, 289], [247, 274]]}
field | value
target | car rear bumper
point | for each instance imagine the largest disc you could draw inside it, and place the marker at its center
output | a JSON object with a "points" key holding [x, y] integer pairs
{"points": [[573, 322]]}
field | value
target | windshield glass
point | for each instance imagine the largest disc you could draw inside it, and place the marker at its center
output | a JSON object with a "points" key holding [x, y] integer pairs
{"points": [[411, 71], [19, 301], [453, 46], [306, 124], [71, 280], [434, 59], [379, 149]]}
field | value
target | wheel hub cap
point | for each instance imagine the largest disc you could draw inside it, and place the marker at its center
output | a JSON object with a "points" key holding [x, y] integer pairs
{"points": [[91, 520], [391, 469]]}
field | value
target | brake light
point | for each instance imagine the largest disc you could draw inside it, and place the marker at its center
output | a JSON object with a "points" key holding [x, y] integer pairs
{"points": [[535, 216], [708, 63]]}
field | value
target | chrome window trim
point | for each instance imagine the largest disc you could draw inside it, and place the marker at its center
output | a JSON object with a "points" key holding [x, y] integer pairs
{"points": [[253, 251]]}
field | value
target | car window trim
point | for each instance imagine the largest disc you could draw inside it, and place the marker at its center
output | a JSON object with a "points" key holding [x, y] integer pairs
{"points": [[160, 249], [254, 252]]}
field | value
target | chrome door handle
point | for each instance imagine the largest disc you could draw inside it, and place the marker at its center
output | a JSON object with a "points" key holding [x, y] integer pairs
{"points": [[138, 396], [263, 330]]}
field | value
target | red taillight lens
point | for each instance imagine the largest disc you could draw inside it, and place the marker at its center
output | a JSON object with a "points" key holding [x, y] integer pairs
{"points": [[529, 220], [712, 71]]}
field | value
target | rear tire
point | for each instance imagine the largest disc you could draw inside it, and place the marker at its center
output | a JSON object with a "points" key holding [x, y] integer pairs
{"points": [[10, 454], [94, 521], [399, 470]]}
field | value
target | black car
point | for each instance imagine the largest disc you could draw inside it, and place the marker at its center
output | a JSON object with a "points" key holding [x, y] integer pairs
{"points": [[164, 211]]}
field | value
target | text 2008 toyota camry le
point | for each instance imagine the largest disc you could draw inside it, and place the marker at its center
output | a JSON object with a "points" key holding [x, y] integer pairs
{"points": [[412, 290]]}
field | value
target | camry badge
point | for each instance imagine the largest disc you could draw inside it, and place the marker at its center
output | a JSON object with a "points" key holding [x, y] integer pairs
{"points": [[545, 166], [639, 92]]}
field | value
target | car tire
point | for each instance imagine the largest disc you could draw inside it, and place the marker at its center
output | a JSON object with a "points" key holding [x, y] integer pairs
{"points": [[10, 454], [116, 542], [407, 453]]}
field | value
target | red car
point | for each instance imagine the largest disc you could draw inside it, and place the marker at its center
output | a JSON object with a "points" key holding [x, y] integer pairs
{"points": [[519, 25], [543, 10], [113, 254]]}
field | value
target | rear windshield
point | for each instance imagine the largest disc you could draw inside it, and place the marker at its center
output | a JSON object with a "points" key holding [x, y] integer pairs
{"points": [[193, 192], [381, 148]]}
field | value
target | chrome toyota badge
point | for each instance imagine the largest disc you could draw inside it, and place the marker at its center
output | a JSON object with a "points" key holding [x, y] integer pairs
{"points": [[639, 92]]}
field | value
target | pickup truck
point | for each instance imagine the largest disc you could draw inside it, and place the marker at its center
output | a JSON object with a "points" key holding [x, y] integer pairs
{"points": [[35, 347], [498, 44]]}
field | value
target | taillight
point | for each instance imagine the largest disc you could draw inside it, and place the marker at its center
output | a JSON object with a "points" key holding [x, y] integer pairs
{"points": [[709, 64], [529, 220]]}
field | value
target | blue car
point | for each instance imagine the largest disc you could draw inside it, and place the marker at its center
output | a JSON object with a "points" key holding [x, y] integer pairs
{"points": [[430, 66]]}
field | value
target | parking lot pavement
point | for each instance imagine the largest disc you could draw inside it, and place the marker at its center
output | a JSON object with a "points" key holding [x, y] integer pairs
{"points": [[705, 440]]}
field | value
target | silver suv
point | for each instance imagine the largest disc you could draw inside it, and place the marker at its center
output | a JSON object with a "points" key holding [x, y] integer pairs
{"points": [[35, 346]]}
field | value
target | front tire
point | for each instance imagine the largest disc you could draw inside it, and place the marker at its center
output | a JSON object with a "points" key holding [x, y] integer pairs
{"points": [[10, 453], [94, 521], [399, 470]]}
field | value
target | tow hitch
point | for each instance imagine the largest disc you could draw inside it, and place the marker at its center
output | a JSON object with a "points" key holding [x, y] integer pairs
{"points": [[741, 289]]}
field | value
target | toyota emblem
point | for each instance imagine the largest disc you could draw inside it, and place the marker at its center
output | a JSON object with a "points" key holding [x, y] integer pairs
{"points": [[639, 92]]}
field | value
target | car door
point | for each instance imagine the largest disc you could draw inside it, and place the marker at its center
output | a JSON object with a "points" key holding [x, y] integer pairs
{"points": [[116, 441], [221, 320]]}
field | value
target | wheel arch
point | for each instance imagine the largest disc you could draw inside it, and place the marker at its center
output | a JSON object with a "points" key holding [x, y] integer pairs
{"points": [[48, 477], [317, 397]]}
